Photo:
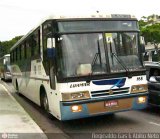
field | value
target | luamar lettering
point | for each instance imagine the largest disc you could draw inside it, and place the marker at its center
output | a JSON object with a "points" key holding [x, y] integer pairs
{"points": [[79, 85]]}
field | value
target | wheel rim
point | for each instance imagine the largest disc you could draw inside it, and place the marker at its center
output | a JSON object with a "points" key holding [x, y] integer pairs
{"points": [[45, 103]]}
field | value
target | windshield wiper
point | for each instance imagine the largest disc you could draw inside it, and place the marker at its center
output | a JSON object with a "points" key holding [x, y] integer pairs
{"points": [[95, 59], [98, 54], [122, 64]]}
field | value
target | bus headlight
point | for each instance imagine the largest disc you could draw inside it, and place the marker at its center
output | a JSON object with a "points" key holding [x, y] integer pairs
{"points": [[75, 96], [76, 108], [141, 100], [139, 88]]}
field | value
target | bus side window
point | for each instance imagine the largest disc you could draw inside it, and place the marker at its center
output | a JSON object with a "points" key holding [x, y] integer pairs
{"points": [[37, 47], [23, 52], [16, 51], [28, 49], [35, 44], [14, 55], [20, 52], [47, 33]]}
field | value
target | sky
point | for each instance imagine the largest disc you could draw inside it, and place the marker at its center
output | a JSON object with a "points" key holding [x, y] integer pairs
{"points": [[17, 17]]}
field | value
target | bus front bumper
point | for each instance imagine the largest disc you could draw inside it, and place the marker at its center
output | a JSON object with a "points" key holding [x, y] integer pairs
{"points": [[95, 107]]}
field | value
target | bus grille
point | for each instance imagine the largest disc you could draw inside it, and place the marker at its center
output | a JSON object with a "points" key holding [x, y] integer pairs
{"points": [[103, 93]]}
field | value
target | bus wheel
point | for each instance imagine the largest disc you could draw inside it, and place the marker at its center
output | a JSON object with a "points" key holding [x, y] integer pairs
{"points": [[44, 102]]}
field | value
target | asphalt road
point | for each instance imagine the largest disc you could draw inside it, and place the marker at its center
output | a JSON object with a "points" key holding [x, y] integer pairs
{"points": [[144, 121]]}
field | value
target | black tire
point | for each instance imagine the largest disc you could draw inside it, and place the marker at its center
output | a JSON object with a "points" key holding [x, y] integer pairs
{"points": [[44, 102]]}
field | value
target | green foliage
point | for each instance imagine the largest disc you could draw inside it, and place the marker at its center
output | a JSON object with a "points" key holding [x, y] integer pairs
{"points": [[6, 45], [142, 24], [150, 29], [151, 34]]}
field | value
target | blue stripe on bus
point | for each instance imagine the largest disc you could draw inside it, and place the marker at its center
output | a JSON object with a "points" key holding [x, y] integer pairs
{"points": [[67, 114], [114, 82]]}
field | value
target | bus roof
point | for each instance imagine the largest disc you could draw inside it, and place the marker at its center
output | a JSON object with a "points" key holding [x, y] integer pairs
{"points": [[90, 17]]}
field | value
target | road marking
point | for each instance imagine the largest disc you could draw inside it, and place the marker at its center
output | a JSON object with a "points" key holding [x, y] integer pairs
{"points": [[154, 123]]}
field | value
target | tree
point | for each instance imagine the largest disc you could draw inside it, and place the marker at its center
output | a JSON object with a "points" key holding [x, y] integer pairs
{"points": [[6, 45], [142, 24], [152, 34]]}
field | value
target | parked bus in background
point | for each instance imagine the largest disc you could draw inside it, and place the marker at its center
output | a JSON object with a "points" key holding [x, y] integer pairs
{"points": [[75, 67], [5, 68]]}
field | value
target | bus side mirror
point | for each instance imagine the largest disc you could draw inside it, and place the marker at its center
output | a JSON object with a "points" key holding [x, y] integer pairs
{"points": [[51, 47], [142, 44]]}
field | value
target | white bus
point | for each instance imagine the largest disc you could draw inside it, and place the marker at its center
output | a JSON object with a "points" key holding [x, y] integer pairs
{"points": [[5, 68], [76, 67]]}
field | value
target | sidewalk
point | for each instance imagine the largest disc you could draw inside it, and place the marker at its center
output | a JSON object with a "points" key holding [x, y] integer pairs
{"points": [[14, 121]]}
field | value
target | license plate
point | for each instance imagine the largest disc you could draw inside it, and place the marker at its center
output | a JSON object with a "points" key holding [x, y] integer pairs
{"points": [[111, 103]]}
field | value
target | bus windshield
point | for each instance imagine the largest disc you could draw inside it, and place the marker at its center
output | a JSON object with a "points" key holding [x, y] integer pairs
{"points": [[92, 53], [124, 46]]}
